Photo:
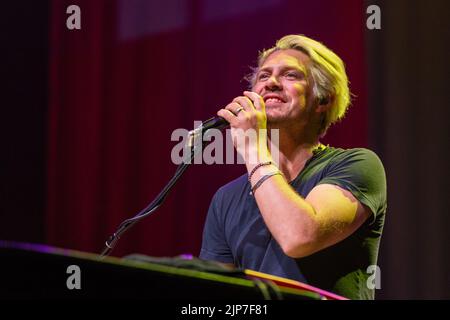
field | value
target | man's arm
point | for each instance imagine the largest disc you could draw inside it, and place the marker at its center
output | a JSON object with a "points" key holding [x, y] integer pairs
{"points": [[302, 227]]}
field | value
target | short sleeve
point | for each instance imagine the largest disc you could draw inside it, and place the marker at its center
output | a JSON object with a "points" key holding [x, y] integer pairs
{"points": [[214, 244], [361, 172]]}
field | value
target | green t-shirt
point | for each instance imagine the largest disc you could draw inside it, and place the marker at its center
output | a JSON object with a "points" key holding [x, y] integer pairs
{"points": [[235, 231]]}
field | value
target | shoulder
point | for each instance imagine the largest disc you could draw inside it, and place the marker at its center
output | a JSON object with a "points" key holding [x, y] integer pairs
{"points": [[360, 162], [232, 189], [354, 153], [361, 172], [357, 158], [362, 153]]}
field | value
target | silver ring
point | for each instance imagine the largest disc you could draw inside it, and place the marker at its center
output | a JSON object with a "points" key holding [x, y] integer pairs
{"points": [[238, 110]]}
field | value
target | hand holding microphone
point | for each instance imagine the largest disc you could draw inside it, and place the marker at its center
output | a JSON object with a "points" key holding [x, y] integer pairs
{"points": [[247, 118]]}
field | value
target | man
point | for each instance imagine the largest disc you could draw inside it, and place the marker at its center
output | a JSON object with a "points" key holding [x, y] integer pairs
{"points": [[317, 213]]}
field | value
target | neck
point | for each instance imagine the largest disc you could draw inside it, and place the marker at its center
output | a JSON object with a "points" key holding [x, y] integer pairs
{"points": [[293, 151]]}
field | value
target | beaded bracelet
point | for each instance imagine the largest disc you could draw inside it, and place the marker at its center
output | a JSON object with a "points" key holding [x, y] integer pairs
{"points": [[259, 165], [264, 178]]}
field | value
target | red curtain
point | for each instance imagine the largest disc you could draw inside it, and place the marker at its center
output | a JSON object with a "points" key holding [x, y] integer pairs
{"points": [[137, 70]]}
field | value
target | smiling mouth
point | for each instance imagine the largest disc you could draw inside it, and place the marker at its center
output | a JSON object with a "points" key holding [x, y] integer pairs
{"points": [[273, 100]]}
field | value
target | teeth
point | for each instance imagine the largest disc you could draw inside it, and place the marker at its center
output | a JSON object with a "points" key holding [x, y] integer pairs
{"points": [[273, 100]]}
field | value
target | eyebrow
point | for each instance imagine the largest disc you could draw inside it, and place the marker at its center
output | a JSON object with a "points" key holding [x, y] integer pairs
{"points": [[301, 69]]}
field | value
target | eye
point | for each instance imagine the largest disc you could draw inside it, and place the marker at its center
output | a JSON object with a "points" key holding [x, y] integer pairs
{"points": [[263, 76], [292, 75]]}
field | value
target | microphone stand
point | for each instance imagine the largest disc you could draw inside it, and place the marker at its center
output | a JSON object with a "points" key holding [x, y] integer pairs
{"points": [[195, 148]]}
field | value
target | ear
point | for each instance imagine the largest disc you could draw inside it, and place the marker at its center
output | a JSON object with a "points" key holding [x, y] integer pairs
{"points": [[324, 104]]}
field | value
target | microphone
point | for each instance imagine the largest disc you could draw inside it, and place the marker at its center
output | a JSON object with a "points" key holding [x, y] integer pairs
{"points": [[212, 123], [199, 132], [215, 123]]}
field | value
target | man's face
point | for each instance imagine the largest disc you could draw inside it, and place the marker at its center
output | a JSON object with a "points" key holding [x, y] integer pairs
{"points": [[282, 82]]}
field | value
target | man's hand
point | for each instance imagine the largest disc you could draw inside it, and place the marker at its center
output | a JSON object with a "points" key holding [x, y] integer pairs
{"points": [[247, 117]]}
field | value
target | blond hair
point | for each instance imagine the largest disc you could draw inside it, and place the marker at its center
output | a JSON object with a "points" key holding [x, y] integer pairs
{"points": [[327, 70]]}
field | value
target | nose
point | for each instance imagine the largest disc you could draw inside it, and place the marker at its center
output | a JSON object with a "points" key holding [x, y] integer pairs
{"points": [[273, 84]]}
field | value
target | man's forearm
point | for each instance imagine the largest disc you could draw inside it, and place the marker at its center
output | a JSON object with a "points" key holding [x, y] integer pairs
{"points": [[290, 218]]}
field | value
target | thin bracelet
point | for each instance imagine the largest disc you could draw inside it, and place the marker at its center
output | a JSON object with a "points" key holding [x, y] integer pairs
{"points": [[264, 178], [259, 165]]}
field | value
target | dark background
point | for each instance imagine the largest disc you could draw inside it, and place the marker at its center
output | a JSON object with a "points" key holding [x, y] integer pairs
{"points": [[87, 117]]}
